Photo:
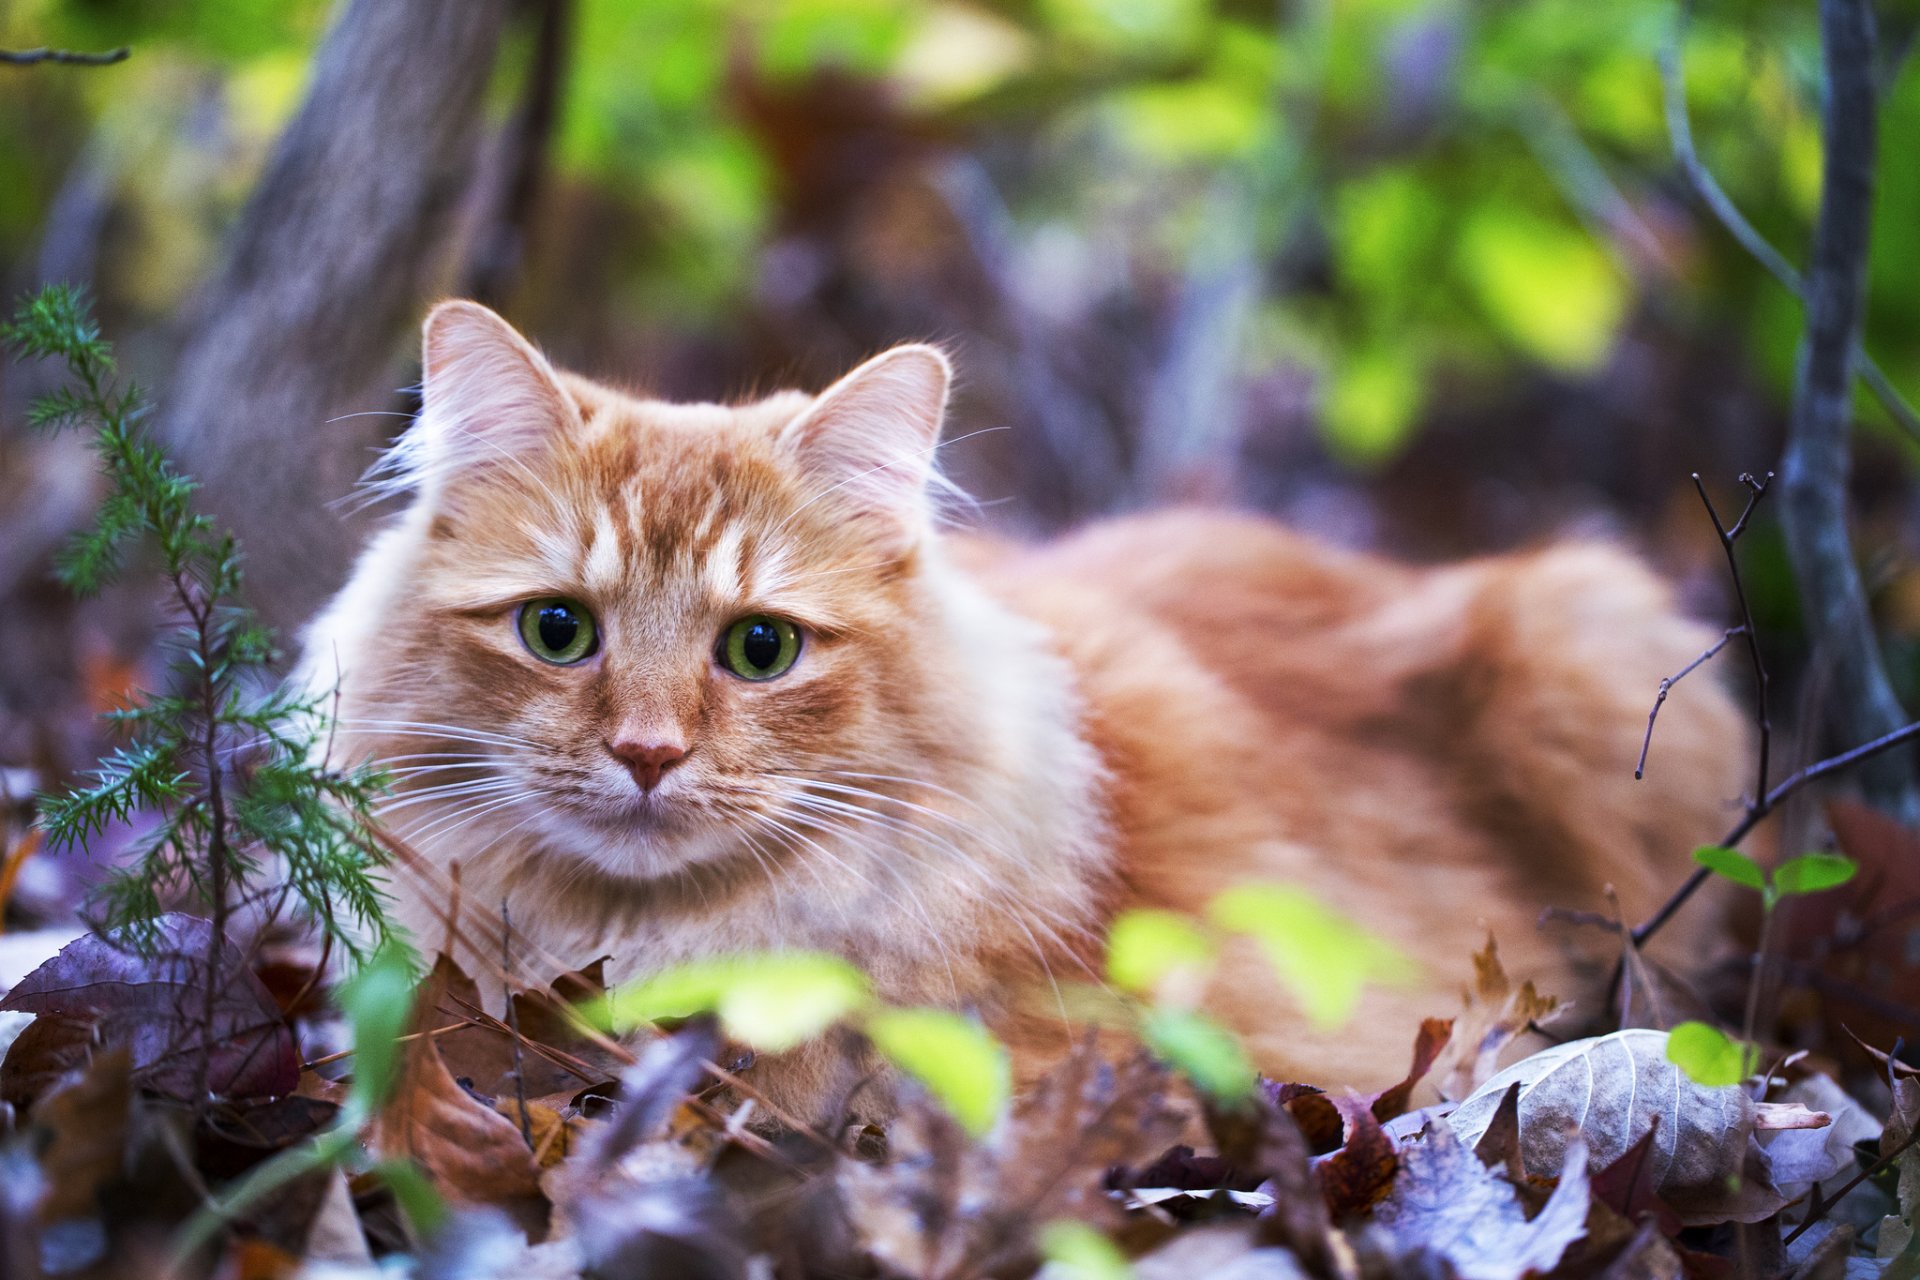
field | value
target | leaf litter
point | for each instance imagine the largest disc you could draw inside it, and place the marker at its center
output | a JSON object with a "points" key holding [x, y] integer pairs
{"points": [[516, 1142]]}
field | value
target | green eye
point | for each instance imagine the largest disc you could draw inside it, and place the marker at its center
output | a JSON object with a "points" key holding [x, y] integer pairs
{"points": [[557, 631], [759, 647]]}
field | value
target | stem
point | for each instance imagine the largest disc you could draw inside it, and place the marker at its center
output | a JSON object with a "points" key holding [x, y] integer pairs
{"points": [[1751, 1018], [219, 847], [1757, 813]]}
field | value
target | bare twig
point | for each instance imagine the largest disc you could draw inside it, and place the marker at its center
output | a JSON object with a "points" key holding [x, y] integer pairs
{"points": [[1756, 813], [1721, 205], [1826, 1203], [66, 57], [1666, 687]]}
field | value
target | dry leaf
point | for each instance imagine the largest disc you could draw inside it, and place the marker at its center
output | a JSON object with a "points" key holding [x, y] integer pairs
{"points": [[153, 1003], [86, 1123], [474, 1154], [1354, 1178], [1610, 1090], [1496, 1013], [1446, 1204]]}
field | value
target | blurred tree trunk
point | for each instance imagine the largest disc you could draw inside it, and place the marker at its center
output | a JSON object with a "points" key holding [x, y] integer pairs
{"points": [[1818, 461], [347, 231]]}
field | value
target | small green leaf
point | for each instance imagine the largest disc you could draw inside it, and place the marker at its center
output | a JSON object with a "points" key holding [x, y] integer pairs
{"points": [[1078, 1252], [768, 1000], [1709, 1055], [1813, 873], [1146, 947], [958, 1061], [378, 1001], [1731, 864], [1209, 1053], [1322, 957]]}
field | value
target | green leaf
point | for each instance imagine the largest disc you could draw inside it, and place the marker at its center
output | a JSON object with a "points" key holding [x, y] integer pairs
{"points": [[426, 1212], [1546, 285], [378, 1001], [958, 1061], [1813, 873], [1322, 957], [1709, 1056], [768, 1000], [1078, 1252], [1372, 403], [1731, 864], [1146, 948], [1209, 1053]]}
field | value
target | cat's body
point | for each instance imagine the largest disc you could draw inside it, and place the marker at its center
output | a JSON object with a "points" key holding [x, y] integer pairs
{"points": [[982, 752]]}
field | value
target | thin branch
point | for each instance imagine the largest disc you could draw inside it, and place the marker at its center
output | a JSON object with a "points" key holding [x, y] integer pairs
{"points": [[1826, 1203], [1772, 800], [1756, 490], [66, 57], [1721, 205], [1666, 687]]}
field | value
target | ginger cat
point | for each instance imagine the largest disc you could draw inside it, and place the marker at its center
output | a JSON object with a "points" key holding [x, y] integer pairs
{"points": [[673, 680]]}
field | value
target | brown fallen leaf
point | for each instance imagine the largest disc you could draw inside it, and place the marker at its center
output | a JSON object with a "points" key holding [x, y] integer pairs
{"points": [[1356, 1177], [51, 1048], [473, 1154], [86, 1125], [1495, 1014], [1319, 1119]]}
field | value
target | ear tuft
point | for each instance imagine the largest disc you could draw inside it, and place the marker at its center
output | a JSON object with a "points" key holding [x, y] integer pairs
{"points": [[868, 441], [489, 400]]}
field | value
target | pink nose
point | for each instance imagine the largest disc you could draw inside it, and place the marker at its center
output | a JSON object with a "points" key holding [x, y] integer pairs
{"points": [[648, 760]]}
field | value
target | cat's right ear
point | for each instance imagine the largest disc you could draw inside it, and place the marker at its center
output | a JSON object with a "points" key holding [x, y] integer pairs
{"points": [[489, 402]]}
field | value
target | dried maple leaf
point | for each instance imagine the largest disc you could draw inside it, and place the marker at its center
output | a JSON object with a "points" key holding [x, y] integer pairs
{"points": [[1495, 1014], [152, 1001]]}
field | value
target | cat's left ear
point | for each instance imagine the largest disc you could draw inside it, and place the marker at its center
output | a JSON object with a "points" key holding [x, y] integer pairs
{"points": [[868, 441]]}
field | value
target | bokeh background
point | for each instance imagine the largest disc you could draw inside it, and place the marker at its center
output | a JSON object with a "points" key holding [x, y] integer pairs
{"points": [[1417, 275]]}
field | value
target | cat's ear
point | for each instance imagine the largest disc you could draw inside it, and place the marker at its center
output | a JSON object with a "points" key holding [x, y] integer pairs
{"points": [[867, 442], [489, 401]]}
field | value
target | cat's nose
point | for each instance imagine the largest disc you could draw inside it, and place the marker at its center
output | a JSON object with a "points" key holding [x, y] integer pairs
{"points": [[647, 760]]}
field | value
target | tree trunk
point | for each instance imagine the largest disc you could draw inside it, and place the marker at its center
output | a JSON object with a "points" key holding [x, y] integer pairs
{"points": [[1861, 705], [326, 270]]}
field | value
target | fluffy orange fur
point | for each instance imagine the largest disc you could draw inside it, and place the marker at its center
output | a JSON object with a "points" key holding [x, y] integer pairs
{"points": [[984, 751]]}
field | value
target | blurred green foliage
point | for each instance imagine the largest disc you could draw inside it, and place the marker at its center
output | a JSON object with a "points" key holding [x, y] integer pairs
{"points": [[1491, 181]]}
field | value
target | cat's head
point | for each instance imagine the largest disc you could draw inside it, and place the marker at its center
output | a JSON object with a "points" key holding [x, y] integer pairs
{"points": [[645, 633]]}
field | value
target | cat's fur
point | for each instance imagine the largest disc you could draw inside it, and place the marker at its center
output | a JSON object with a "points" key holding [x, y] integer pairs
{"points": [[985, 750]]}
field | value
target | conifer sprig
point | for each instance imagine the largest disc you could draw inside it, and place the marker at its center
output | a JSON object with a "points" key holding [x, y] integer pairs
{"points": [[247, 807]]}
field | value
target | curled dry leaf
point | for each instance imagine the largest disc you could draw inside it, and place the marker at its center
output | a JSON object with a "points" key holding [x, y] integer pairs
{"points": [[152, 1001], [1318, 1117], [474, 1154], [1354, 1178], [1610, 1090]]}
